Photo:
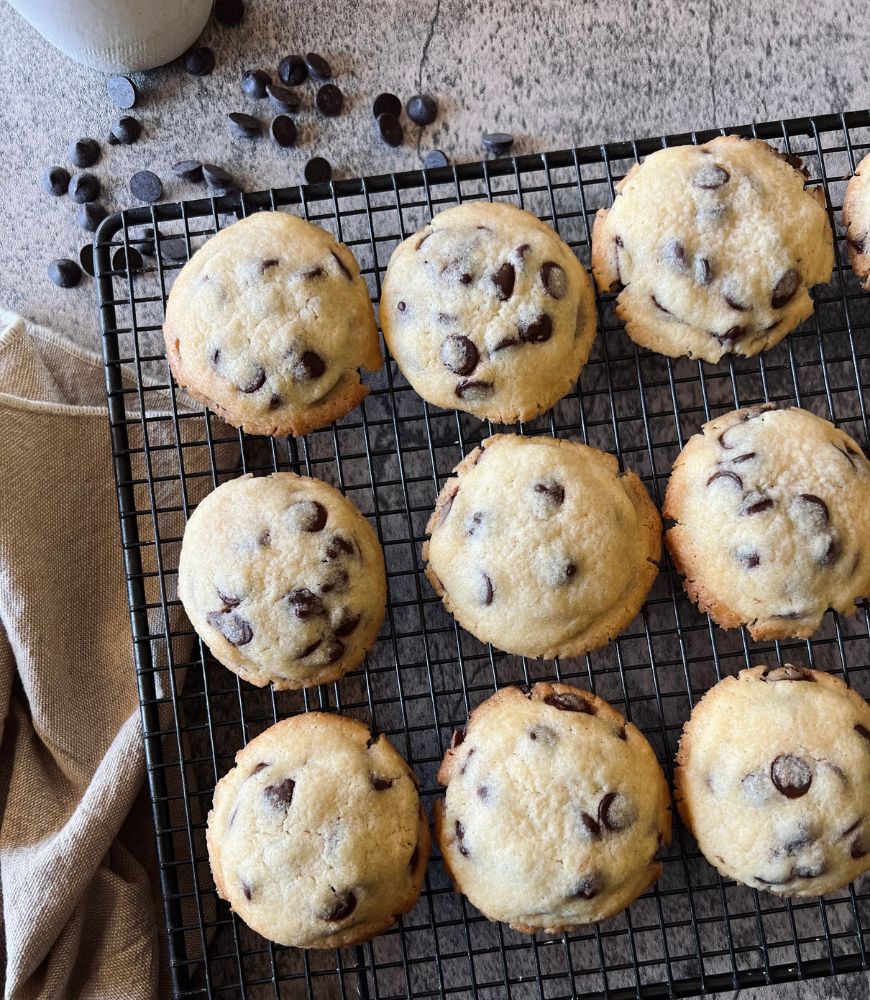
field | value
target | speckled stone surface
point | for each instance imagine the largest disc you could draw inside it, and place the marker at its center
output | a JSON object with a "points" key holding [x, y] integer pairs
{"points": [[553, 73]]}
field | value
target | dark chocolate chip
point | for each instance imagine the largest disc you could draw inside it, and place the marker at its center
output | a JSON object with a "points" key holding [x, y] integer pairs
{"points": [[146, 186], [591, 824], [83, 152], [786, 673], [538, 331], [710, 176], [310, 649], [304, 603], [566, 702], [727, 478], [504, 279], [282, 100], [415, 857], [342, 266], [309, 515], [343, 907], [551, 489], [64, 272], [90, 215], [339, 546], [749, 557], [229, 12], [458, 737], [86, 258], [380, 784], [747, 456], [497, 143], [736, 303], [422, 109], [292, 70], [784, 289], [256, 382], [473, 522], [607, 816], [390, 129], [483, 792], [459, 355], [338, 581], [800, 839], [125, 130], [198, 61], [269, 263], [244, 126], [474, 389], [791, 775], [554, 280], [247, 890], [755, 503], [503, 343], [447, 505], [229, 600], [254, 83], [815, 505], [486, 593], [84, 187], [280, 796], [313, 273], [460, 842], [435, 158], [862, 730], [386, 103], [859, 849], [122, 91], [731, 335], [231, 626], [346, 624], [317, 66], [587, 888], [329, 100], [659, 306], [216, 176], [703, 271], [309, 367], [810, 871], [334, 651], [318, 170], [674, 254], [125, 259], [55, 181]]}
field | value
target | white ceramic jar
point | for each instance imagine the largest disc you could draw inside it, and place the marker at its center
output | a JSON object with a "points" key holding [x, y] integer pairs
{"points": [[118, 35]]}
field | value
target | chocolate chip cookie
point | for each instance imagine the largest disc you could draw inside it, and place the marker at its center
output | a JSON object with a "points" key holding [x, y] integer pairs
{"points": [[786, 807], [856, 216], [555, 809], [268, 324], [284, 580], [317, 838], [772, 511], [541, 546], [713, 248], [486, 310]]}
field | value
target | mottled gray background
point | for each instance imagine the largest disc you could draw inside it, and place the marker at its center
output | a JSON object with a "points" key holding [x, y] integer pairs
{"points": [[553, 73]]}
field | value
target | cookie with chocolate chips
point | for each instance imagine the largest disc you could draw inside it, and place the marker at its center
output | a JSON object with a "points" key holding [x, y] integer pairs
{"points": [[283, 579], [713, 249], [317, 838], [786, 807], [487, 310], [554, 811], [856, 217], [772, 512], [541, 546], [268, 325]]}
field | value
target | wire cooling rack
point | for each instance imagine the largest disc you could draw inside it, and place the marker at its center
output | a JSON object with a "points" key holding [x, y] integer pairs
{"points": [[694, 932]]}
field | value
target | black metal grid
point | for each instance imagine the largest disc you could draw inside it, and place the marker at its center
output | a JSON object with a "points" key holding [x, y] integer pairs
{"points": [[693, 932]]}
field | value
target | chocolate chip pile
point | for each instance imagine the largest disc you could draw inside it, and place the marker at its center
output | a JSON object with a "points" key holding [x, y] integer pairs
{"points": [[257, 85]]}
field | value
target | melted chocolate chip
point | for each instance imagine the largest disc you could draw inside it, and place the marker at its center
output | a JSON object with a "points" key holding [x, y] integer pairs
{"points": [[342, 266], [710, 176], [727, 478], [271, 262], [346, 624], [310, 649], [504, 279], [731, 335], [256, 381], [380, 784], [313, 273], [859, 849], [817, 507], [608, 817], [304, 604], [674, 254], [337, 580], [474, 389], [503, 343], [791, 775], [553, 279], [231, 626], [522, 250], [831, 553], [569, 703], [458, 737], [459, 355], [275, 401], [308, 515], [229, 601], [784, 289], [460, 842], [339, 546], [486, 592], [538, 331], [334, 652], [591, 824], [749, 557], [551, 490], [587, 888], [483, 793], [309, 367], [281, 795], [755, 503], [343, 907], [786, 673]]}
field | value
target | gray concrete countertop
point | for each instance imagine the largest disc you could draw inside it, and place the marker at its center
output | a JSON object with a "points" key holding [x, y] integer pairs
{"points": [[553, 73]]}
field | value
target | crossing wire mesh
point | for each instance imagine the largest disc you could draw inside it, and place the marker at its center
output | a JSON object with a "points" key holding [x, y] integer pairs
{"points": [[693, 932]]}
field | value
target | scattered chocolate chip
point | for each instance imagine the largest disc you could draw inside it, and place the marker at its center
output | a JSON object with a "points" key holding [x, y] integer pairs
{"points": [[64, 272], [380, 784], [308, 515], [703, 271], [487, 591], [86, 258], [309, 367], [674, 255], [504, 279], [470, 389], [459, 355], [736, 304], [318, 170], [83, 152], [386, 103], [84, 187], [216, 176], [125, 130], [229, 12], [460, 842], [538, 331], [390, 129], [90, 215], [342, 266], [591, 824], [587, 888], [334, 651], [727, 477], [282, 99], [551, 490], [435, 158], [815, 506], [749, 557], [304, 604], [569, 703], [198, 61], [254, 83], [346, 624], [122, 91], [609, 814], [344, 906], [280, 796], [339, 546], [755, 503], [422, 109], [731, 335], [458, 737], [126, 260], [791, 775], [231, 626], [256, 382], [784, 289], [292, 71], [55, 181], [310, 649], [317, 66], [146, 186], [554, 280], [242, 125], [174, 251], [329, 100], [710, 176], [497, 143]]}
